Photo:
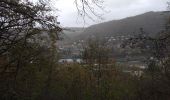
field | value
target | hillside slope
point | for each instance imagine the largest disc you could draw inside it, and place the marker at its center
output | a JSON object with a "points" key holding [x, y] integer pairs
{"points": [[151, 22]]}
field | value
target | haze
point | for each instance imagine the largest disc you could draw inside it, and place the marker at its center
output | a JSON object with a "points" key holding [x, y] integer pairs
{"points": [[117, 9]]}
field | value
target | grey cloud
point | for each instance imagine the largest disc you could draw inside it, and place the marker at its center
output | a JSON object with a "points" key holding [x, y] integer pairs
{"points": [[118, 9]]}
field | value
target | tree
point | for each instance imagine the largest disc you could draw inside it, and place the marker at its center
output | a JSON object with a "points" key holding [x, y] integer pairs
{"points": [[26, 30], [20, 20], [97, 59], [28, 52], [157, 75]]}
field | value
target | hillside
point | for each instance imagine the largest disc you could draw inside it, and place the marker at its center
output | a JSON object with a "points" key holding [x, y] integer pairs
{"points": [[115, 32], [151, 22], [69, 34]]}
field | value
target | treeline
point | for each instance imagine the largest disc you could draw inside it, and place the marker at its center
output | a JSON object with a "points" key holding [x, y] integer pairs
{"points": [[40, 77]]}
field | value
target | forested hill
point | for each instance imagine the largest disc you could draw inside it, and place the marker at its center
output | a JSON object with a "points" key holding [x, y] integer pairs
{"points": [[151, 22]]}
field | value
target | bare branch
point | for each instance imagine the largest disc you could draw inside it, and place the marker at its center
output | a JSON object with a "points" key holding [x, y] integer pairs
{"points": [[90, 9]]}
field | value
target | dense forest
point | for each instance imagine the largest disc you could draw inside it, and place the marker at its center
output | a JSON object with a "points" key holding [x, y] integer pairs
{"points": [[29, 54]]}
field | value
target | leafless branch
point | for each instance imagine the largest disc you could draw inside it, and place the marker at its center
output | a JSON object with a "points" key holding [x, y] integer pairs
{"points": [[90, 9]]}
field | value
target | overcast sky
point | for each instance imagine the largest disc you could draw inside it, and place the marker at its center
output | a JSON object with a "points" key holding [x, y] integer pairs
{"points": [[117, 9]]}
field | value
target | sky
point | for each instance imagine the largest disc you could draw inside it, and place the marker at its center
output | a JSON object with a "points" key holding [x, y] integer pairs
{"points": [[114, 10]]}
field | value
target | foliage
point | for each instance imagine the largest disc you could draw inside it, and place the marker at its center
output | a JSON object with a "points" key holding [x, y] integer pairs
{"points": [[157, 79]]}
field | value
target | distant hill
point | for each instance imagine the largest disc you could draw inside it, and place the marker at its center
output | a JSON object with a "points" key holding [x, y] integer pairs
{"points": [[69, 34], [151, 22], [115, 32]]}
